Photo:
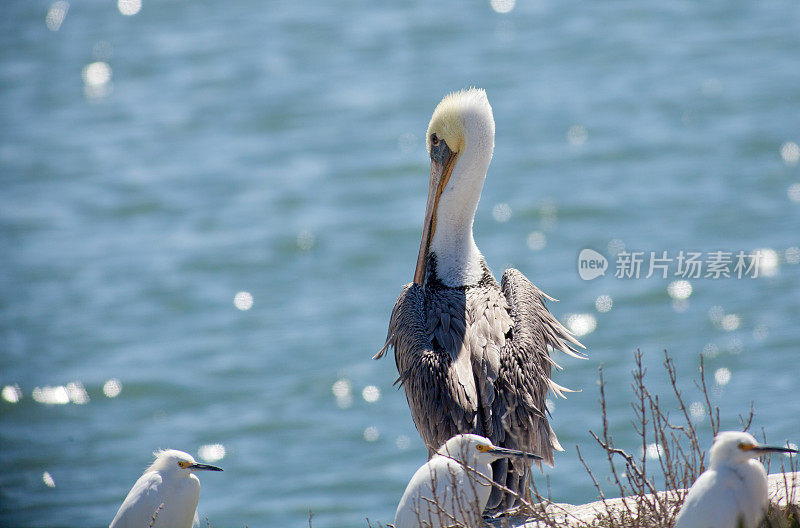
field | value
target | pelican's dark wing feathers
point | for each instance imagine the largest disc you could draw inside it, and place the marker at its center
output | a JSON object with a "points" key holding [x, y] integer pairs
{"points": [[526, 365], [437, 378]]}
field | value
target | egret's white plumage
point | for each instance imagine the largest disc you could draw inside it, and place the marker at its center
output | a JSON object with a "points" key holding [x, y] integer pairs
{"points": [[453, 487], [732, 492], [167, 487]]}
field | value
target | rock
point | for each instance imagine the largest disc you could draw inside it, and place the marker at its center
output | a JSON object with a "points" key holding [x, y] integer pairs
{"points": [[784, 488]]}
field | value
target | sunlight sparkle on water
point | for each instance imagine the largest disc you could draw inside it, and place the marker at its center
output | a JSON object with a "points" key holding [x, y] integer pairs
{"points": [[243, 301], [501, 212], [112, 388], [536, 240], [11, 393], [211, 452], [47, 478], [604, 303], [730, 322], [615, 245], [680, 289], [502, 6], [716, 313], [371, 394], [760, 332], [581, 324], [371, 434], [790, 153], [792, 255], [654, 451], [697, 411], [51, 395], [710, 350], [768, 262], [577, 135], [96, 80], [56, 14], [403, 442], [129, 7], [722, 376], [794, 192], [77, 393], [305, 240], [343, 392]]}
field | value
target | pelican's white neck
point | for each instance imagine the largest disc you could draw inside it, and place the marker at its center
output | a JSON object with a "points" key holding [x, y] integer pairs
{"points": [[458, 260]]}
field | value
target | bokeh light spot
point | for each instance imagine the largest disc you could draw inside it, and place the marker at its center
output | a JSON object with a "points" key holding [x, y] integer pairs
{"points": [[768, 262], [343, 392], [211, 452], [243, 301], [11, 393], [371, 434], [581, 324], [51, 395], [48, 480], [536, 240], [730, 322], [501, 212], [604, 303], [790, 153], [793, 192], [56, 15], [502, 6], [577, 135], [680, 289], [371, 394], [129, 7], [722, 376], [112, 388], [305, 240]]}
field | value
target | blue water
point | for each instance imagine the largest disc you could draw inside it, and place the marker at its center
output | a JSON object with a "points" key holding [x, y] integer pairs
{"points": [[277, 148]]}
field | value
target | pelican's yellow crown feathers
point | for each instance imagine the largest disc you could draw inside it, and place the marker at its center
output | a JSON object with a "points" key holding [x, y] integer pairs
{"points": [[460, 116]]}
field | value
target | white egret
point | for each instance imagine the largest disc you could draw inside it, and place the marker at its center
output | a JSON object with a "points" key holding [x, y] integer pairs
{"points": [[453, 487], [167, 490], [732, 492]]}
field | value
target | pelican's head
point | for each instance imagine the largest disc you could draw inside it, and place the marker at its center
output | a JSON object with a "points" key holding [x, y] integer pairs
{"points": [[473, 449], [734, 447], [460, 142], [178, 463]]}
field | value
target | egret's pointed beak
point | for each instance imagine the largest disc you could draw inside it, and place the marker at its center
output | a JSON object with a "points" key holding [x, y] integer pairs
{"points": [[773, 449], [442, 163], [513, 453], [203, 467]]}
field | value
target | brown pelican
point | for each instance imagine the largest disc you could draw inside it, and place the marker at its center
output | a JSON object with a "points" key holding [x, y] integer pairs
{"points": [[472, 354]]}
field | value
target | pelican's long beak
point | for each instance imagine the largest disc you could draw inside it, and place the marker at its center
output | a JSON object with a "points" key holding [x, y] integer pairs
{"points": [[513, 453], [203, 467], [441, 169]]}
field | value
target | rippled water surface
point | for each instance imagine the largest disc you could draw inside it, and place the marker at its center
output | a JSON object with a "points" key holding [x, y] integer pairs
{"points": [[207, 210]]}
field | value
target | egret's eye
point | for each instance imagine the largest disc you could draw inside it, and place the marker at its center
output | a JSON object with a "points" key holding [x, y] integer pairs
{"points": [[183, 464], [434, 140], [482, 448], [745, 447]]}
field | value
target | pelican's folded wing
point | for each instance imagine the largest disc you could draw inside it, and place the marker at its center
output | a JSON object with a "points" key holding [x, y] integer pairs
{"points": [[439, 387], [526, 364]]}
